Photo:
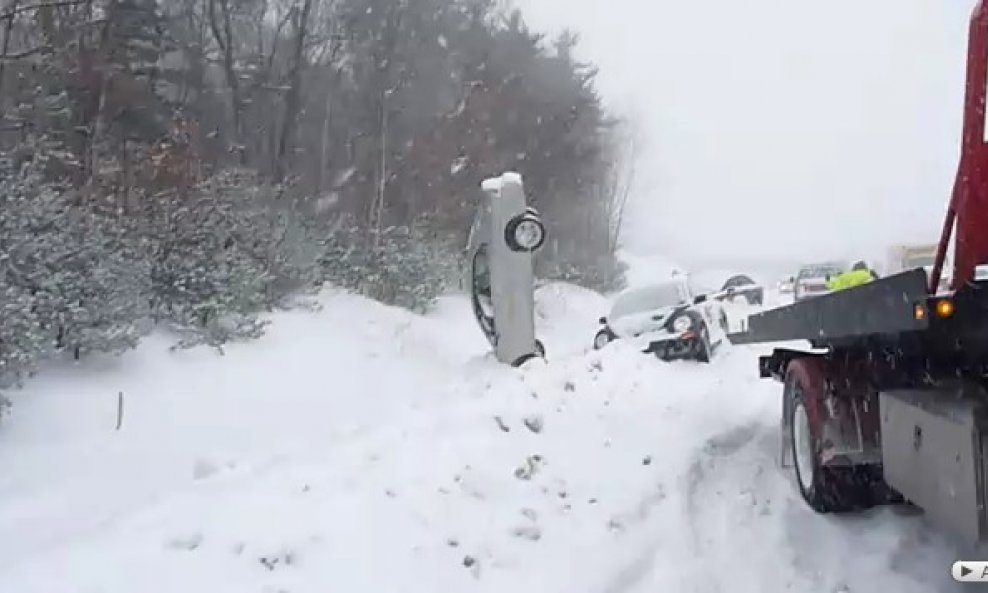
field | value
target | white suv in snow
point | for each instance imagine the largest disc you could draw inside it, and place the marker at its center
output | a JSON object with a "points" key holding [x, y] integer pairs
{"points": [[668, 319]]}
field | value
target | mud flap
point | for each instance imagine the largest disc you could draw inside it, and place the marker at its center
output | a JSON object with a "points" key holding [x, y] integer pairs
{"points": [[849, 432], [849, 429]]}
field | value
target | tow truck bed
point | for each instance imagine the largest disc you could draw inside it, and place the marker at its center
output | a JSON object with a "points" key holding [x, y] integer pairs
{"points": [[892, 325], [885, 306]]}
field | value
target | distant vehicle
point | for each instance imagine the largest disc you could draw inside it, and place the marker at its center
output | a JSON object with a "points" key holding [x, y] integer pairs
{"points": [[811, 280], [668, 319], [744, 287], [909, 257], [787, 285]]}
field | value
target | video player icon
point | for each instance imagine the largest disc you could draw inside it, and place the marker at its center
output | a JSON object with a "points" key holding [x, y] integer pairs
{"points": [[965, 571]]}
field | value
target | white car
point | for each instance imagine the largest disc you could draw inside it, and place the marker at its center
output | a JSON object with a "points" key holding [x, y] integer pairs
{"points": [[669, 320], [811, 280]]}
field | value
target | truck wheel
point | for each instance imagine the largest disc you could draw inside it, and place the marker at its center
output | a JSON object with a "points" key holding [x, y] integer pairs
{"points": [[808, 473], [825, 489]]}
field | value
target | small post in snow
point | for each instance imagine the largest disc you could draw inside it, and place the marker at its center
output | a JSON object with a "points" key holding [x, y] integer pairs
{"points": [[120, 409]]}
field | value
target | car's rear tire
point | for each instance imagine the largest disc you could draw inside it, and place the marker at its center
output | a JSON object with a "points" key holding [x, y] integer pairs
{"points": [[538, 353]]}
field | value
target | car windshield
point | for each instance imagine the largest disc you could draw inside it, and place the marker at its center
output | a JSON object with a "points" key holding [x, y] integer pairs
{"points": [[820, 271], [657, 296]]}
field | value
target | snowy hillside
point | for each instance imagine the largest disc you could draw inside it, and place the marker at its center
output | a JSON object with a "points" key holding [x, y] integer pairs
{"points": [[365, 449]]}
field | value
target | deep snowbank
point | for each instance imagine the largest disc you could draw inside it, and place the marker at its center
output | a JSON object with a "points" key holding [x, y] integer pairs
{"points": [[363, 448]]}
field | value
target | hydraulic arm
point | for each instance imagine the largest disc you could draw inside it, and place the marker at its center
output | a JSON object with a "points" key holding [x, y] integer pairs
{"points": [[968, 207]]}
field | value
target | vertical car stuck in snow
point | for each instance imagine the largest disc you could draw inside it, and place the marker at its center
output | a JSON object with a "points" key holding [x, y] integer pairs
{"points": [[502, 240]]}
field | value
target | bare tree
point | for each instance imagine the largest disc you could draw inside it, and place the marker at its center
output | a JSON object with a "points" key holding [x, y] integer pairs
{"points": [[619, 183], [221, 25], [332, 50], [8, 26], [300, 23]]}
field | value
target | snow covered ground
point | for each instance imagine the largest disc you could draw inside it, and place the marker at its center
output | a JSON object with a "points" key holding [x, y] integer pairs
{"points": [[365, 449]]}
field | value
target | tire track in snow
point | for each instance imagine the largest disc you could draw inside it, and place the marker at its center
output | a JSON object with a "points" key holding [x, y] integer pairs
{"points": [[722, 445], [667, 562], [659, 530], [751, 531], [732, 509], [642, 562]]}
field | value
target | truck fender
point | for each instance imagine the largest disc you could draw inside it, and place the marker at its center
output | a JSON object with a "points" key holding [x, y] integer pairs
{"points": [[843, 413], [809, 372]]}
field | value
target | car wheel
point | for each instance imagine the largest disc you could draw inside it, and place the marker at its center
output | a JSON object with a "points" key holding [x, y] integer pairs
{"points": [[539, 353], [603, 338]]}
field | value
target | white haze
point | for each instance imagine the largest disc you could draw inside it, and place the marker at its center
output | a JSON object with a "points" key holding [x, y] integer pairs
{"points": [[780, 129]]}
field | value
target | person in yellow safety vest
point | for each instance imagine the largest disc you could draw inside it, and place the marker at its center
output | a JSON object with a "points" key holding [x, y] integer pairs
{"points": [[858, 274]]}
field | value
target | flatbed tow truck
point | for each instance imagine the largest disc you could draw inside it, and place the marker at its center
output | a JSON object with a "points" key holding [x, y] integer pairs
{"points": [[889, 402]]}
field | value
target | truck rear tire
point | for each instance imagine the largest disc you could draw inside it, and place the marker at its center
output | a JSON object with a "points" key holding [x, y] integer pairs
{"points": [[825, 489]]}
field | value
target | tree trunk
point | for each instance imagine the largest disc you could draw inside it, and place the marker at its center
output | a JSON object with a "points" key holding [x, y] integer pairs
{"points": [[377, 211], [327, 124], [7, 27], [327, 121], [224, 39], [292, 100]]}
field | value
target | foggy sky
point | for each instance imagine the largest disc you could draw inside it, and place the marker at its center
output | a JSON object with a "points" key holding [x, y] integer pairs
{"points": [[780, 129]]}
